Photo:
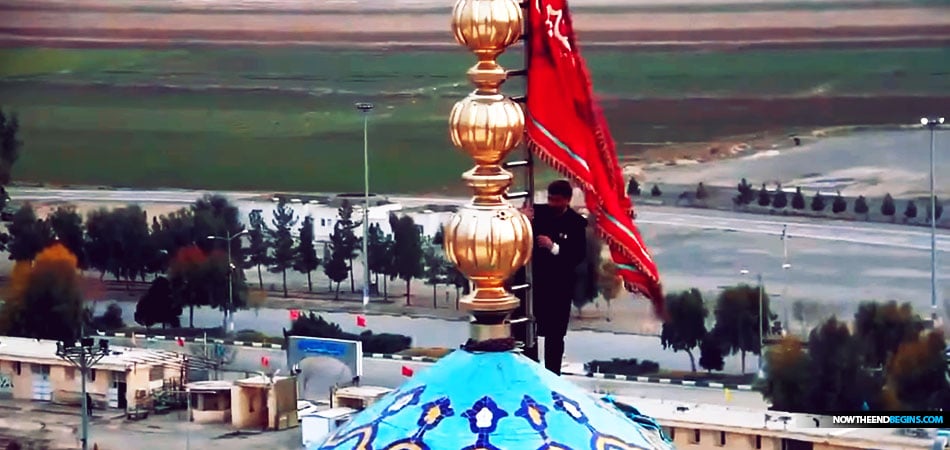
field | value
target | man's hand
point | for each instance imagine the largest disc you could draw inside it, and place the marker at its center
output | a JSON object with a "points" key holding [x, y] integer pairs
{"points": [[545, 242], [528, 210]]}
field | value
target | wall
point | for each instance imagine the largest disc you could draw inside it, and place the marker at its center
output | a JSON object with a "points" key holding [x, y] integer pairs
{"points": [[211, 416], [22, 384], [66, 388], [135, 379], [685, 438], [284, 405], [249, 407], [211, 407]]}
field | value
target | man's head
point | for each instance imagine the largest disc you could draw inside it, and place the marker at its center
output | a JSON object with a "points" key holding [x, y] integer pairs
{"points": [[559, 195]]}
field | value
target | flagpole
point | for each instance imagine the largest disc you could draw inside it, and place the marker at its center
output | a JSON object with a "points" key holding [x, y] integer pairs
{"points": [[530, 338]]}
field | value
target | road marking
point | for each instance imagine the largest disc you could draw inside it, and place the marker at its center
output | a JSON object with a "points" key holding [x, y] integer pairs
{"points": [[941, 245]]}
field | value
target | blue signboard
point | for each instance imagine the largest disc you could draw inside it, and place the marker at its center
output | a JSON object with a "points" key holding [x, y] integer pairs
{"points": [[323, 347], [320, 363]]}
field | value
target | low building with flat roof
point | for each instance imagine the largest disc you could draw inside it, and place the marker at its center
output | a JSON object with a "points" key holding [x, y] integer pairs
{"points": [[701, 426], [210, 401], [30, 370]]}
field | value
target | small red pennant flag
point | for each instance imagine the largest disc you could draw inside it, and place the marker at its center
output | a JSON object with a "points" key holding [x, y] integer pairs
{"points": [[407, 371], [265, 361], [361, 321], [181, 342], [294, 314]]}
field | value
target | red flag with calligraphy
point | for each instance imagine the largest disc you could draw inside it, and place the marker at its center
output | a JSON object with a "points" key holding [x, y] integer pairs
{"points": [[567, 130]]}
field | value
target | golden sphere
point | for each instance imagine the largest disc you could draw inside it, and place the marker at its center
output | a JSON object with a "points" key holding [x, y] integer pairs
{"points": [[487, 26], [487, 127], [488, 244]]}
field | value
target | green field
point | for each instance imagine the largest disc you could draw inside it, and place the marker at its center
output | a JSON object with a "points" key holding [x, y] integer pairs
{"points": [[726, 6], [282, 119]]}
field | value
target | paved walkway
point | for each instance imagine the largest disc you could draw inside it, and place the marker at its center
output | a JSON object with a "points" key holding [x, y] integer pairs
{"points": [[58, 427]]}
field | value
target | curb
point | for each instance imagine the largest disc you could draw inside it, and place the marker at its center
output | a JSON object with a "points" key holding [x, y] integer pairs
{"points": [[428, 359], [670, 381], [197, 339]]}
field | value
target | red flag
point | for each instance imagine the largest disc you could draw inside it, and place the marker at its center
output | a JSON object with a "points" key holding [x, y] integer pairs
{"points": [[407, 372], [361, 321], [566, 129], [294, 314], [181, 342], [265, 361]]}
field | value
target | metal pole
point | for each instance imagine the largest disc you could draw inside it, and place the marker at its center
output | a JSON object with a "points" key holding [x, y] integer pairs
{"points": [[365, 209], [365, 108], [227, 313], [85, 404], [933, 226], [784, 244], [761, 326], [531, 339], [188, 424], [785, 267]]}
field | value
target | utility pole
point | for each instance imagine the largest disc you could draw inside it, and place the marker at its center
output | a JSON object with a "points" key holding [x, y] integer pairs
{"points": [[83, 357]]}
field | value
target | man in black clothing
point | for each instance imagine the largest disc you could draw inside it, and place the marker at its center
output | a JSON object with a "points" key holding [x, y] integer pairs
{"points": [[560, 244]]}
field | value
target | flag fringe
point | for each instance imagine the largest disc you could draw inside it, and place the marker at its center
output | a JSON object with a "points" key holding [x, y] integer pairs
{"points": [[545, 156]]}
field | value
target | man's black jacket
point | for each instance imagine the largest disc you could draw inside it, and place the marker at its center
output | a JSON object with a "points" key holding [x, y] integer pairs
{"points": [[555, 275]]}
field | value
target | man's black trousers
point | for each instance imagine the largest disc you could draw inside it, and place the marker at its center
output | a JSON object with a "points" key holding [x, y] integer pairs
{"points": [[553, 353]]}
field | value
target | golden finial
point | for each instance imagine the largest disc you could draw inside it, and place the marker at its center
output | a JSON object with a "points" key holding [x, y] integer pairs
{"points": [[488, 239]]}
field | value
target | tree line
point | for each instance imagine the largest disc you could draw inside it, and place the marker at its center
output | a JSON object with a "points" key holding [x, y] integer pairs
{"points": [[736, 324], [185, 252], [884, 360], [779, 199]]}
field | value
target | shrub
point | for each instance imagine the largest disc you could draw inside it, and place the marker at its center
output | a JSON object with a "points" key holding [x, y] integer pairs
{"points": [[746, 193], [861, 205], [818, 202], [911, 211], [111, 319], [701, 192], [887, 206], [633, 187], [384, 342], [780, 199], [257, 336], [315, 326], [764, 198], [620, 366], [839, 205], [798, 200]]}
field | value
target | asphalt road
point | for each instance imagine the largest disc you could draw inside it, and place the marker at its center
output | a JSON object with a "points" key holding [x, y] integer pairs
{"points": [[870, 163], [388, 373], [581, 346], [834, 264]]}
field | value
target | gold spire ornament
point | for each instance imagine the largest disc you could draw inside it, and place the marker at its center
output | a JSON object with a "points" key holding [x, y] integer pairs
{"points": [[488, 239]]}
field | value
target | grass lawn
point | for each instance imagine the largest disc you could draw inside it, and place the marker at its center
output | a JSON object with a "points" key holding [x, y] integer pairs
{"points": [[282, 119]]}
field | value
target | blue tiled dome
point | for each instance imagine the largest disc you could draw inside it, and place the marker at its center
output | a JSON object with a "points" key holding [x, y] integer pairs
{"points": [[491, 401]]}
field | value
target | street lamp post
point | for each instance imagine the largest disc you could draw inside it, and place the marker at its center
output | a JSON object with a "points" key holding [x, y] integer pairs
{"points": [[365, 108], [84, 357], [228, 238], [932, 123], [785, 267]]}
